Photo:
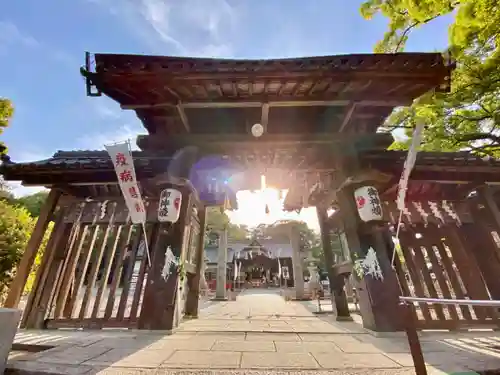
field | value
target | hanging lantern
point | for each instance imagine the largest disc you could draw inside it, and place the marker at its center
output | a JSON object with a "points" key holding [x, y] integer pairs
{"points": [[169, 206], [368, 203]]}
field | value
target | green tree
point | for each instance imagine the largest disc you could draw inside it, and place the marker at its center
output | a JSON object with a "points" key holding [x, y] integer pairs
{"points": [[5, 192], [469, 116], [6, 112], [16, 226], [217, 219], [34, 202]]}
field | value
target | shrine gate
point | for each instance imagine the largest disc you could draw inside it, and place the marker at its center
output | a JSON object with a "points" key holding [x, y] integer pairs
{"points": [[319, 117]]}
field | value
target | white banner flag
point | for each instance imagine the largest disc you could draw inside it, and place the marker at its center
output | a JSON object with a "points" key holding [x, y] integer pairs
{"points": [[123, 162], [409, 164]]}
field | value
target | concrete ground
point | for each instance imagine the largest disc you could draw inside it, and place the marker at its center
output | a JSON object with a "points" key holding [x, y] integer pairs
{"points": [[259, 333]]}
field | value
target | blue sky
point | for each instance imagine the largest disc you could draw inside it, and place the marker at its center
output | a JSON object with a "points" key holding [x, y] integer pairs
{"points": [[42, 45]]}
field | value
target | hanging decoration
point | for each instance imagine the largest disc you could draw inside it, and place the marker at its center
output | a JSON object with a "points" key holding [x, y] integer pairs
{"points": [[405, 176], [123, 162], [370, 265], [169, 205], [368, 203], [409, 164], [171, 262], [235, 270]]}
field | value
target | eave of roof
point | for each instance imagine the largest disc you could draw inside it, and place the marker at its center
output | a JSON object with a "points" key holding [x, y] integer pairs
{"points": [[173, 94]]}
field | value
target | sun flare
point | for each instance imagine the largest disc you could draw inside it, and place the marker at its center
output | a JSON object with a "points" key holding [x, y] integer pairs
{"points": [[252, 208]]}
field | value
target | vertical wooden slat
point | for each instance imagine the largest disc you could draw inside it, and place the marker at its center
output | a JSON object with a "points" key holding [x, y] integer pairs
{"points": [[67, 312], [108, 259], [46, 299], [117, 272], [407, 243], [72, 256], [153, 231], [403, 283], [41, 277], [423, 270], [29, 254], [438, 270], [452, 275], [122, 305], [469, 271], [83, 263], [95, 268]]}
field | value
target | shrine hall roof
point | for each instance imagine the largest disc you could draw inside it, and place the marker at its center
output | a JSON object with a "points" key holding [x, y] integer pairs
{"points": [[346, 93]]}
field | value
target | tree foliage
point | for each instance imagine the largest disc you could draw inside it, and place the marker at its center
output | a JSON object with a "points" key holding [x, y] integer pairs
{"points": [[6, 112], [33, 203], [217, 220], [16, 226], [469, 116]]}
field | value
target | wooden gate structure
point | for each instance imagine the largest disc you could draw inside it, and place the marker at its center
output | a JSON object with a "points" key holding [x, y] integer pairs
{"points": [[448, 243], [320, 117]]}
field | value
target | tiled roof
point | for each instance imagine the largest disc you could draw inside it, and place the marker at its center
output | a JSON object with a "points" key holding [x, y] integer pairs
{"points": [[283, 249]]}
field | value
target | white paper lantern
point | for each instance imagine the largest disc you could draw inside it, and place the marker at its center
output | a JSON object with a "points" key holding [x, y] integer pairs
{"points": [[169, 206], [368, 203]]}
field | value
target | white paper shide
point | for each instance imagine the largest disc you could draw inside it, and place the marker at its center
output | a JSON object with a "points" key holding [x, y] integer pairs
{"points": [[370, 265], [123, 162], [169, 205], [368, 203]]}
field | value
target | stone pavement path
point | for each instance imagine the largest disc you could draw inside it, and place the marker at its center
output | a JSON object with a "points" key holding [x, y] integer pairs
{"points": [[259, 333]]}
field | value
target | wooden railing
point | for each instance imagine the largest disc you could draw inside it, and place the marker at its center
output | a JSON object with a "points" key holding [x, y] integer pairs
{"points": [[410, 326]]}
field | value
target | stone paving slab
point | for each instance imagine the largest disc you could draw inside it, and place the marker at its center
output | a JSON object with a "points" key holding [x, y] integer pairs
{"points": [[355, 360], [229, 336], [245, 346], [278, 360], [306, 347], [205, 360]]}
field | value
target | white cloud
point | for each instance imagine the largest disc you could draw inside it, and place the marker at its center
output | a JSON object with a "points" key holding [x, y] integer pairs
{"points": [[11, 36], [25, 156], [106, 108], [96, 141], [20, 191], [190, 27]]}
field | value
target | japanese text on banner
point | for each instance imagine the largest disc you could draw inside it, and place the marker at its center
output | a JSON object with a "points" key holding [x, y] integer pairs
{"points": [[124, 167]]}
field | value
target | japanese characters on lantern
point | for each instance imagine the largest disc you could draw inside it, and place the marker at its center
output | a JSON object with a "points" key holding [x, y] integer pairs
{"points": [[368, 203], [169, 205], [124, 167]]}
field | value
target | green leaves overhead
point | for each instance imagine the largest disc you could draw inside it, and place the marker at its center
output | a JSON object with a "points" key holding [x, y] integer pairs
{"points": [[469, 116], [6, 112]]}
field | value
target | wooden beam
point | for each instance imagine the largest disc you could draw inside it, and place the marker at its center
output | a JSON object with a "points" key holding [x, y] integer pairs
{"points": [[435, 76], [29, 255], [240, 141], [284, 101]]}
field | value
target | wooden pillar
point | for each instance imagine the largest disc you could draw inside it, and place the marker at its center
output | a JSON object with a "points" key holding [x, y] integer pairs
{"points": [[298, 272], [29, 255], [220, 292], [378, 298], [337, 284], [159, 306], [194, 289]]}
